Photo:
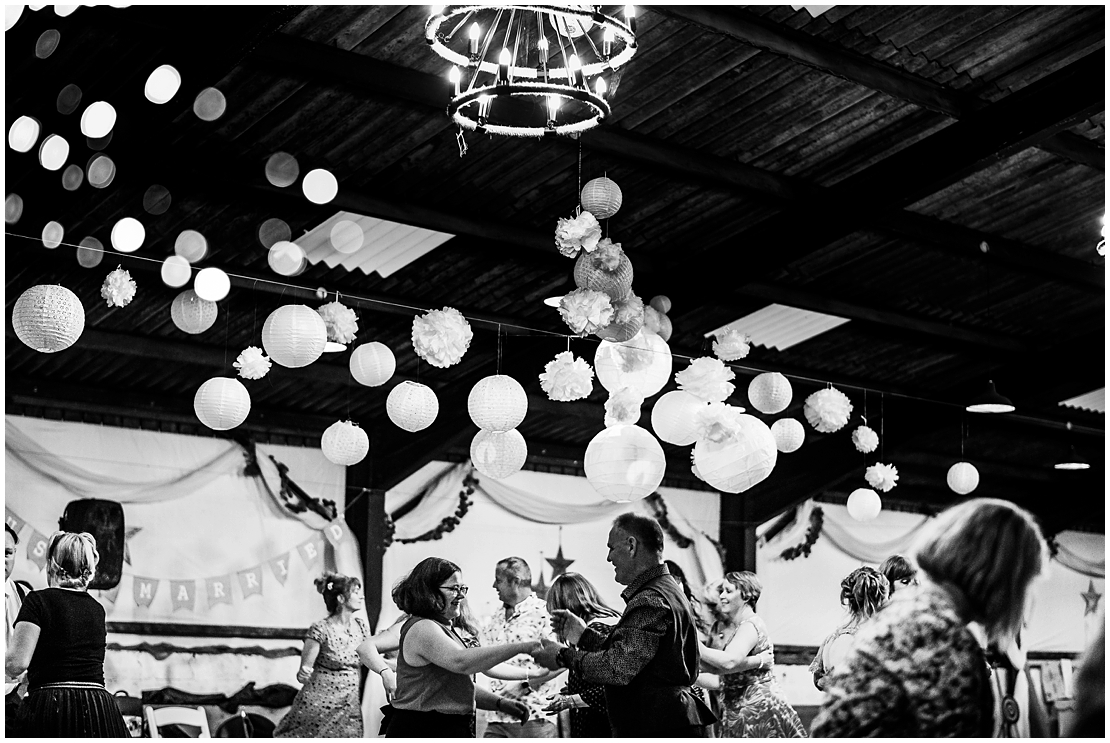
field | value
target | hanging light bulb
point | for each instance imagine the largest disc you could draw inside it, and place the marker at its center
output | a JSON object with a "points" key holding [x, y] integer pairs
{"points": [[483, 107], [607, 42], [601, 87], [475, 32], [455, 77], [630, 17], [553, 104], [503, 66], [575, 71]]}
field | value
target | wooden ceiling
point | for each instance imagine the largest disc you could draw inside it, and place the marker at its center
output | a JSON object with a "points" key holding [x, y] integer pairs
{"points": [[934, 174]]}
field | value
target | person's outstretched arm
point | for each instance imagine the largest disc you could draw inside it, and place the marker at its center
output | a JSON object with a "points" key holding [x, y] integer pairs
{"points": [[426, 643]]}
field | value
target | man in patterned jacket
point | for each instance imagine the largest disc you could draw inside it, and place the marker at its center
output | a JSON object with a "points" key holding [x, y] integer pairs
{"points": [[650, 659]]}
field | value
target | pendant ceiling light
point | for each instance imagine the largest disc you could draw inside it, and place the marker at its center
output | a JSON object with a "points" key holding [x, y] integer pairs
{"points": [[1073, 461], [530, 70], [990, 402]]}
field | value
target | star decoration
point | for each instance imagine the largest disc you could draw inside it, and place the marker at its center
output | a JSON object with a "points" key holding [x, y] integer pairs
{"points": [[540, 587], [127, 542], [559, 564], [1092, 598]]}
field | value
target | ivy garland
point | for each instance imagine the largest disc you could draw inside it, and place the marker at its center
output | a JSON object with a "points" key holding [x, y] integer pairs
{"points": [[446, 525], [816, 521], [659, 511]]}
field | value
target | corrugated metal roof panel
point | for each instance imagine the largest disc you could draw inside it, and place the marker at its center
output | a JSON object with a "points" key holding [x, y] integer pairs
{"points": [[1094, 400], [386, 246], [780, 327]]}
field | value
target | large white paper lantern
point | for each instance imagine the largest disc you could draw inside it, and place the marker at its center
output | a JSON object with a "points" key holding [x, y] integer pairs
{"points": [[963, 478], [498, 454], [497, 403], [864, 504], [412, 406], [48, 318], [789, 435], [624, 463], [222, 403], [672, 417], [770, 393], [294, 335], [737, 464], [642, 363], [373, 364], [192, 314], [344, 443], [601, 197]]}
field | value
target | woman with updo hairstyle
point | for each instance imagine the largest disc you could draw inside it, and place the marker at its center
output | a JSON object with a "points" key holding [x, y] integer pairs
{"points": [[59, 639], [863, 592], [915, 669], [329, 704]]}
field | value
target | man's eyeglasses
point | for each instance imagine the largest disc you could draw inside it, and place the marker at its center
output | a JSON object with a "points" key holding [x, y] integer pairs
{"points": [[460, 589]]}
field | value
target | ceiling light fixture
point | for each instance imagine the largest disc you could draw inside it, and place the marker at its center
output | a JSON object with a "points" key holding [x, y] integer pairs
{"points": [[990, 402], [1073, 461]]}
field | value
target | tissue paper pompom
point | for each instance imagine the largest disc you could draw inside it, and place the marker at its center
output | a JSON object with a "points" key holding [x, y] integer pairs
{"points": [[865, 440], [707, 379], [341, 320], [586, 311], [252, 363], [441, 337], [623, 407], [628, 319], [828, 410], [882, 477], [653, 319], [119, 288], [606, 270], [572, 235], [566, 378], [717, 422], [732, 345]]}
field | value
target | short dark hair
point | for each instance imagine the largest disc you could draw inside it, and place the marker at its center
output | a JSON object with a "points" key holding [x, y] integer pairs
{"points": [[11, 531], [645, 529], [897, 568], [333, 585], [418, 592], [517, 569]]}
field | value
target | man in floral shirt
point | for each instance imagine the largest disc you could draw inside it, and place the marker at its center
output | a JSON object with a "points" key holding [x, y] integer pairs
{"points": [[523, 617]]}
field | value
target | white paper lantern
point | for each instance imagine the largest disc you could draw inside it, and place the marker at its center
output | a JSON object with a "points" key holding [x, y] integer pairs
{"points": [[672, 417], [212, 284], [48, 318], [601, 197], [373, 364], [192, 314], [770, 393], [344, 443], [498, 454], [222, 403], [789, 435], [737, 464], [864, 504], [412, 406], [963, 478], [642, 363], [624, 463], [294, 335], [497, 403]]}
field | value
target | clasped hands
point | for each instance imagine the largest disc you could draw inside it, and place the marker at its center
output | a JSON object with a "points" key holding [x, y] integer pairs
{"points": [[566, 625]]}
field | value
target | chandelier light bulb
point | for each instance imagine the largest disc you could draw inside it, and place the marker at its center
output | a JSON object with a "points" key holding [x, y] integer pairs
{"points": [[630, 17], [553, 104], [542, 45], [455, 77], [601, 87], [483, 106], [475, 32], [575, 70], [503, 60], [607, 42]]}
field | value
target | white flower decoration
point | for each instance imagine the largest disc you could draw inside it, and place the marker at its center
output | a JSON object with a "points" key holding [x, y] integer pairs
{"points": [[566, 378], [732, 345], [706, 379], [623, 407], [586, 311], [865, 439], [828, 410], [882, 477], [252, 363], [608, 255], [441, 337], [341, 320], [572, 235], [118, 288], [717, 422]]}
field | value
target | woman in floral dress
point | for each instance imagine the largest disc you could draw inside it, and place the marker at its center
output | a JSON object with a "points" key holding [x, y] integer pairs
{"points": [[752, 702], [328, 705]]}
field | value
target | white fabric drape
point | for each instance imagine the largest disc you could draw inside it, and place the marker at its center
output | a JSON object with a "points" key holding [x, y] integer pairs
{"points": [[840, 535], [1082, 554], [547, 510]]}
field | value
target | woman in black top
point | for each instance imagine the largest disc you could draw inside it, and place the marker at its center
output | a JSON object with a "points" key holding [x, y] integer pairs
{"points": [[59, 640]]}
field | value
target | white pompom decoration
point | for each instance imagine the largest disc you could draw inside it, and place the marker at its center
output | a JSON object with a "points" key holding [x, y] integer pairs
{"points": [[828, 410], [741, 462], [732, 345], [882, 477], [770, 393], [865, 440], [602, 197], [642, 363], [252, 363], [48, 318], [119, 288], [624, 463], [864, 504], [294, 335], [707, 379], [372, 364], [623, 407], [340, 320], [498, 454], [673, 417], [344, 443], [586, 311], [577, 233], [191, 314], [963, 478], [441, 337], [497, 403], [222, 403], [566, 378], [789, 435], [627, 320], [412, 406]]}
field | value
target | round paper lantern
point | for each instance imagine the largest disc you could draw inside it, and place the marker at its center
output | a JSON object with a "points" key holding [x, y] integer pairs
{"points": [[602, 197], [864, 504], [498, 454], [192, 314], [789, 435], [735, 465], [212, 284], [642, 363], [128, 235], [162, 84], [222, 403], [624, 463], [628, 320], [412, 406], [770, 393], [372, 364], [672, 417], [590, 274], [320, 186], [48, 318], [497, 403], [294, 335], [963, 477], [344, 443]]}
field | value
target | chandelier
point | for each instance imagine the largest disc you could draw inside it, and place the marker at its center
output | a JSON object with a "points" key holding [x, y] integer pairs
{"points": [[530, 70]]}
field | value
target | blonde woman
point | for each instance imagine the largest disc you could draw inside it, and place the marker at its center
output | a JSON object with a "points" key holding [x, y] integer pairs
{"points": [[863, 592], [915, 670], [59, 640]]}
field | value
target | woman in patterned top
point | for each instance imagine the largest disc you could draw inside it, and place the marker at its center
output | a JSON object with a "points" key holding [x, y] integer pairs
{"points": [[589, 717], [328, 705], [915, 670], [864, 592]]}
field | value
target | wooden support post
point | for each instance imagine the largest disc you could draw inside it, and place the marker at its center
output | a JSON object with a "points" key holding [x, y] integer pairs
{"points": [[738, 533], [365, 515]]}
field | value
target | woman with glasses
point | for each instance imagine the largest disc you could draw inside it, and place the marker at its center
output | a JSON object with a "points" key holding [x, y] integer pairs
{"points": [[436, 695]]}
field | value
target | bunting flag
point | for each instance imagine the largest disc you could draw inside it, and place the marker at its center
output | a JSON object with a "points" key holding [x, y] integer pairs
{"points": [[337, 533], [312, 552], [219, 590], [36, 548], [144, 590], [280, 567], [183, 594], [111, 594], [13, 521], [250, 581]]}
